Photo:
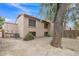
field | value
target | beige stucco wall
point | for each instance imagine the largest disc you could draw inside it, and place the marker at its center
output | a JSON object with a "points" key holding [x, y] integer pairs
{"points": [[20, 26], [39, 29], [23, 27], [51, 29]]}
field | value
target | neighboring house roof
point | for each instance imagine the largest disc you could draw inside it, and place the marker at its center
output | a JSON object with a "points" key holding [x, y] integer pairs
{"points": [[11, 27], [10, 23], [31, 17]]}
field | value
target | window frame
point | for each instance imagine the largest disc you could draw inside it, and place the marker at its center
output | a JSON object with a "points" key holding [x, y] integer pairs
{"points": [[45, 25], [32, 23]]}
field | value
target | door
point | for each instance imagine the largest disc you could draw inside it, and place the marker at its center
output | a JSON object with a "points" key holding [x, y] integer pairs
{"points": [[45, 33]]}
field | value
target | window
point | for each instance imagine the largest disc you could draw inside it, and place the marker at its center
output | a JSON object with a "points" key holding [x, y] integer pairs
{"points": [[45, 25], [32, 23], [33, 33], [45, 33]]}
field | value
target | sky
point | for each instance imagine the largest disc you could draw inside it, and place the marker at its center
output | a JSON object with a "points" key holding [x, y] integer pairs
{"points": [[11, 10]]}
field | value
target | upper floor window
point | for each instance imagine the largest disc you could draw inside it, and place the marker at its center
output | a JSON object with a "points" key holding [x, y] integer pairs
{"points": [[45, 25], [32, 23]]}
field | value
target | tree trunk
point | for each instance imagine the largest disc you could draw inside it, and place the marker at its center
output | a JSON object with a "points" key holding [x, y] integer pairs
{"points": [[58, 25]]}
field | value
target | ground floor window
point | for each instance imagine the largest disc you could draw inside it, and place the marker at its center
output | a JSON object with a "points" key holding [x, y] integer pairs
{"points": [[45, 33], [33, 33]]}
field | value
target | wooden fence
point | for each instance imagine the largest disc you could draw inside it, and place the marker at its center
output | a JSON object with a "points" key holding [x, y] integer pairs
{"points": [[71, 33]]}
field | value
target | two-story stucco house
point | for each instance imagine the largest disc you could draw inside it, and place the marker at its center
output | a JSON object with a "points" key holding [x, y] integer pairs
{"points": [[37, 27], [26, 23]]}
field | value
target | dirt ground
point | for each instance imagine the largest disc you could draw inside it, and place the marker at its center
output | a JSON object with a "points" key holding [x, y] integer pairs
{"points": [[38, 47]]}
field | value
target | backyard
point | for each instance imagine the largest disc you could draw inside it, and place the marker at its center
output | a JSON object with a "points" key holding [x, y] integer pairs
{"points": [[38, 47]]}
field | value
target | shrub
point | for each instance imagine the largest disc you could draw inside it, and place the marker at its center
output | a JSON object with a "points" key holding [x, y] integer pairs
{"points": [[28, 37]]}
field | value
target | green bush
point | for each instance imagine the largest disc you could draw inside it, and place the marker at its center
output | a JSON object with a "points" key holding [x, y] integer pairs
{"points": [[28, 37]]}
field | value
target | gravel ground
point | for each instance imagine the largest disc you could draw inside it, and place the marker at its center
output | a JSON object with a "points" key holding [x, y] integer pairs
{"points": [[72, 44], [38, 47]]}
